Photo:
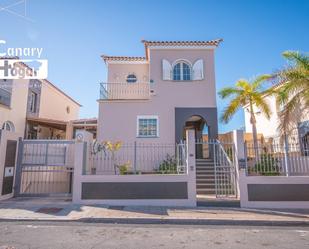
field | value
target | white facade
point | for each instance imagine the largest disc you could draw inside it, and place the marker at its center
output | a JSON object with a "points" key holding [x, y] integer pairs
{"points": [[269, 127]]}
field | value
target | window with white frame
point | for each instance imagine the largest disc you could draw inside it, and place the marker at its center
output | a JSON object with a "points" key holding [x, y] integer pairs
{"points": [[147, 126], [8, 126], [5, 92], [33, 102], [182, 71]]}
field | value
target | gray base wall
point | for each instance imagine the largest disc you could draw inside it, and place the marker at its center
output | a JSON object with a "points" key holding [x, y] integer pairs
{"points": [[208, 113], [278, 192], [134, 190], [273, 191]]}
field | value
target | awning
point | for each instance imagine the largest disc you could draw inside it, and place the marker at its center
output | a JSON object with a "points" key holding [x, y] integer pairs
{"points": [[52, 123]]}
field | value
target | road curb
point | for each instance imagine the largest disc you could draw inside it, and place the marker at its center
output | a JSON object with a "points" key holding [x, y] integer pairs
{"points": [[158, 221]]}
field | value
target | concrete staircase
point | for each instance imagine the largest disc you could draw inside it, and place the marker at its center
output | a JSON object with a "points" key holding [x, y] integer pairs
{"points": [[205, 177]]}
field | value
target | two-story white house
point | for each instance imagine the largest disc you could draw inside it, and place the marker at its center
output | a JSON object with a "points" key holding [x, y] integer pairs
{"points": [[156, 97], [299, 133]]}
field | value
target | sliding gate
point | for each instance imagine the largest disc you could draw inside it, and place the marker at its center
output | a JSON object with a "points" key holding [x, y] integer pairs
{"points": [[45, 167]]}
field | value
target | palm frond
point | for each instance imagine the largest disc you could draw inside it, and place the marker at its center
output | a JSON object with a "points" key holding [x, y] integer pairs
{"points": [[243, 84], [228, 92], [232, 108], [288, 115], [258, 81], [262, 104], [297, 58]]}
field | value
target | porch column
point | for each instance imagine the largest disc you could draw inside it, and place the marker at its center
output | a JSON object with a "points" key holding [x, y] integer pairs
{"points": [[191, 167], [69, 131]]}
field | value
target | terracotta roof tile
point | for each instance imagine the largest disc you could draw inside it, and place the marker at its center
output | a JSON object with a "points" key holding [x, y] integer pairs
{"points": [[123, 58], [182, 43]]}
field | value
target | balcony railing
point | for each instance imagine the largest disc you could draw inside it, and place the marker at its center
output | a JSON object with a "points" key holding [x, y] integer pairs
{"points": [[124, 91]]}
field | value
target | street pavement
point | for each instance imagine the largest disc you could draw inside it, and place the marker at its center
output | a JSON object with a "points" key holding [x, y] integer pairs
{"points": [[54, 235], [51, 209]]}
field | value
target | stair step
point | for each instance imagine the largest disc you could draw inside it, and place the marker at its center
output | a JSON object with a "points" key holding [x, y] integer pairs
{"points": [[205, 165], [205, 191], [205, 186], [205, 170], [205, 176], [209, 181]]}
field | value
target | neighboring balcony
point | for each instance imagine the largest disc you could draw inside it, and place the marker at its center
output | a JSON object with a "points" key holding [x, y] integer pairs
{"points": [[124, 91]]}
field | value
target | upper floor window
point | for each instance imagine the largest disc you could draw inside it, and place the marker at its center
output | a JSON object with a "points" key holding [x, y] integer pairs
{"points": [[182, 71], [33, 102], [131, 78], [5, 92]]}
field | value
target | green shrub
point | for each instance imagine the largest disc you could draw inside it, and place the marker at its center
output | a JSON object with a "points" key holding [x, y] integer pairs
{"points": [[124, 168], [168, 165], [267, 166]]}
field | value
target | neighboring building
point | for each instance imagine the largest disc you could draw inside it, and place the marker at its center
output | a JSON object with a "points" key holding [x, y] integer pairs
{"points": [[156, 97], [89, 125], [36, 109], [269, 127]]}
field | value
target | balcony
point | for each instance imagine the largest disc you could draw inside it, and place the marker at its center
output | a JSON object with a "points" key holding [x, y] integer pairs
{"points": [[124, 91]]}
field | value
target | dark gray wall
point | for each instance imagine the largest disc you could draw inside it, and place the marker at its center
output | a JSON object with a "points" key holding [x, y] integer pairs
{"points": [[278, 192], [183, 114], [134, 190]]}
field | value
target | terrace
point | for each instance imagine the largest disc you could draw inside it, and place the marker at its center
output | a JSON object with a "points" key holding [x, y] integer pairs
{"points": [[124, 91]]}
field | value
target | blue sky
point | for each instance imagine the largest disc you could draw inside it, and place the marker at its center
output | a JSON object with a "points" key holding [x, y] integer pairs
{"points": [[74, 33]]}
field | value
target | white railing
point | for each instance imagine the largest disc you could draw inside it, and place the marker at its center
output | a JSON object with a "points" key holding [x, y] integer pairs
{"points": [[136, 158], [119, 91], [225, 169], [277, 159]]}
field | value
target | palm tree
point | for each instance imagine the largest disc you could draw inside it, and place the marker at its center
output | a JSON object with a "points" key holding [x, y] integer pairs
{"points": [[293, 90], [247, 93]]}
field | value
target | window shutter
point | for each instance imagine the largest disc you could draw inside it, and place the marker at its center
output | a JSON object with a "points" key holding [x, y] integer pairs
{"points": [[166, 70], [198, 70]]}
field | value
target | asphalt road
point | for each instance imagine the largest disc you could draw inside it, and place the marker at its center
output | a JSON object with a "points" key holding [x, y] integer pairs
{"points": [[96, 235]]}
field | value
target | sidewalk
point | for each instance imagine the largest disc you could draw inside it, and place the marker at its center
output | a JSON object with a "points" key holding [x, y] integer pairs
{"points": [[59, 209]]}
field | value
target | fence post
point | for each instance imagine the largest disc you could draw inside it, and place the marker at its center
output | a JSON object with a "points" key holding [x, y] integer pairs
{"points": [[46, 155], [191, 157], [240, 151], [80, 161], [135, 153], [286, 155], [18, 172], [246, 158]]}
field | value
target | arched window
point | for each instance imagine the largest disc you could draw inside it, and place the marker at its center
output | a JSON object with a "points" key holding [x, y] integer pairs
{"points": [[182, 71], [131, 78], [8, 126]]}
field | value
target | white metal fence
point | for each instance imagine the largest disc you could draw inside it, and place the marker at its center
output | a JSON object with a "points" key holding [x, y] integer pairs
{"points": [[136, 158], [288, 157]]}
